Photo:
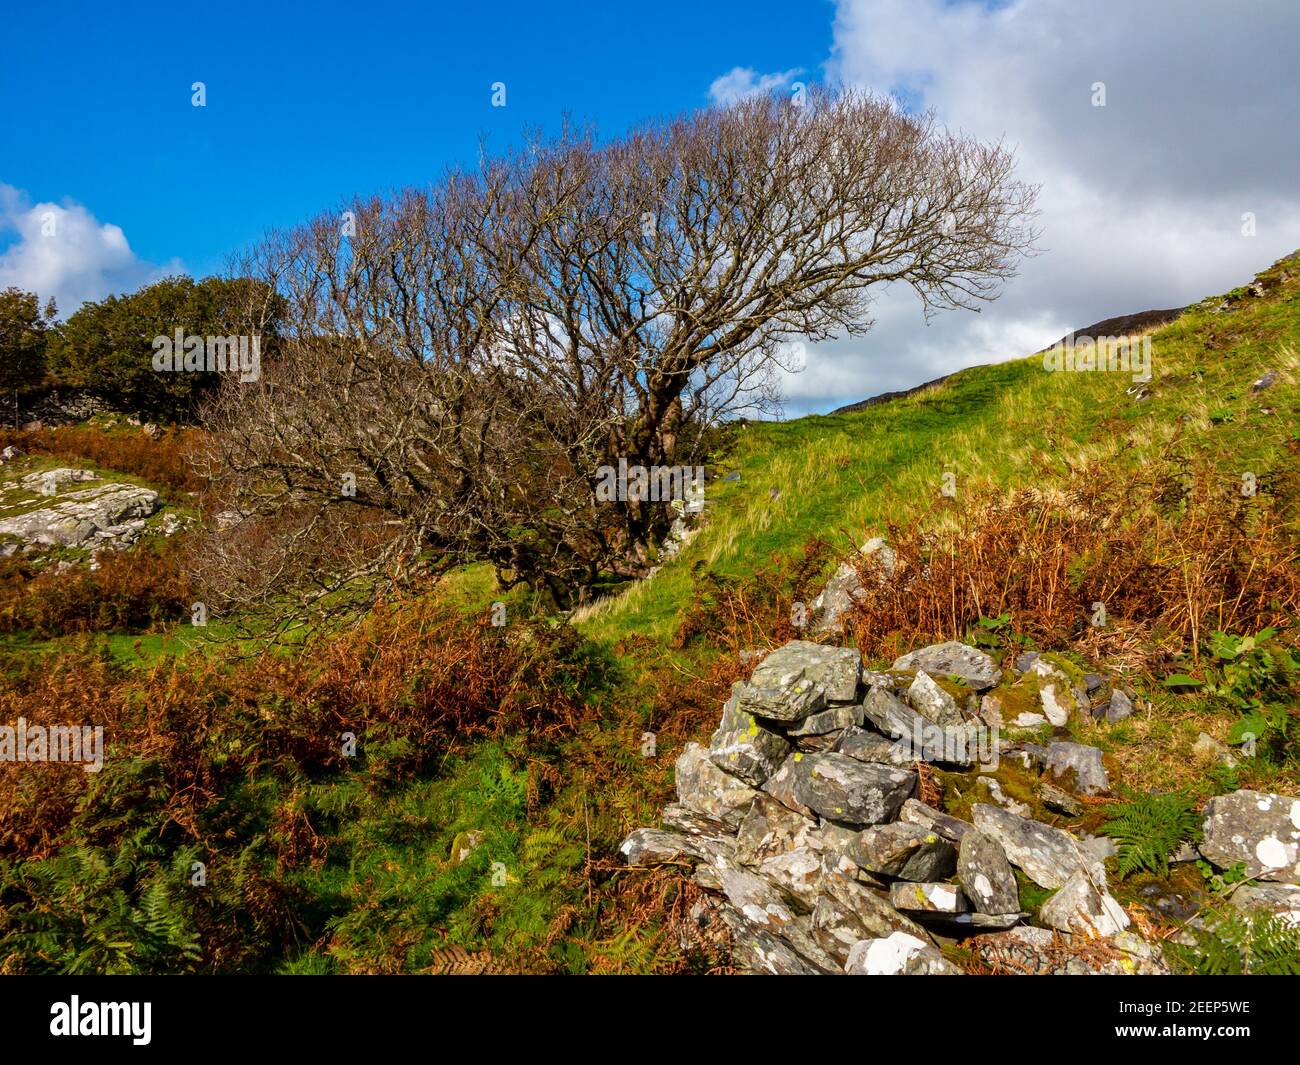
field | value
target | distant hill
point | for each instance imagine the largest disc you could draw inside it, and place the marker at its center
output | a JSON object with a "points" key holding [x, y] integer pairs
{"points": [[1121, 325], [885, 397]]}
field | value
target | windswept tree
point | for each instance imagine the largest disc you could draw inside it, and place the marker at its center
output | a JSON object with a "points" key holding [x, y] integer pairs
{"points": [[462, 362]]}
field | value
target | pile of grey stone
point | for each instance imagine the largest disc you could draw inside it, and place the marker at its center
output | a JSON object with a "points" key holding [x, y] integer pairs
{"points": [[803, 822]]}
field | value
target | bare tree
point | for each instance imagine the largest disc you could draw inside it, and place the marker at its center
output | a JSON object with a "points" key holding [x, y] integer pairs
{"points": [[470, 359]]}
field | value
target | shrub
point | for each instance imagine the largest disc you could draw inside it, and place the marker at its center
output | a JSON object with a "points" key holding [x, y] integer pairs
{"points": [[133, 591], [210, 759], [1171, 553], [107, 346], [24, 329], [164, 459], [1149, 829], [1237, 944]]}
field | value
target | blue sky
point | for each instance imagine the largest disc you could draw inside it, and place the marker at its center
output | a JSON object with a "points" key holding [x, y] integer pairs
{"points": [[1142, 200], [308, 104]]}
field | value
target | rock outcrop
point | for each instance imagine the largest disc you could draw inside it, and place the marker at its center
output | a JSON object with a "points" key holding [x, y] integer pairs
{"points": [[108, 515], [832, 606], [802, 818]]}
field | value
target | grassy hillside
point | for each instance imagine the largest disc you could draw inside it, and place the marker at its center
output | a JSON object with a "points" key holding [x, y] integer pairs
{"points": [[1011, 424]]}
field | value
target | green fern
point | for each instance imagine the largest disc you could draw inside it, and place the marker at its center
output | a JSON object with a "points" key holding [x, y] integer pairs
{"points": [[1149, 828], [1237, 944]]}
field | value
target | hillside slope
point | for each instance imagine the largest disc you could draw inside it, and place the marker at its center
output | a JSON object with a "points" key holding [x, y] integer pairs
{"points": [[842, 477], [1214, 433], [1122, 325]]}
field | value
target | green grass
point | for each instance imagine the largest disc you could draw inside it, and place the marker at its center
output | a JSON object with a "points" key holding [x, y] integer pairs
{"points": [[125, 648], [398, 894], [1011, 424]]}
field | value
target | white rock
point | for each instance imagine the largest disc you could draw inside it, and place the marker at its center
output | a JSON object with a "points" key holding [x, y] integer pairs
{"points": [[898, 954], [1085, 906]]}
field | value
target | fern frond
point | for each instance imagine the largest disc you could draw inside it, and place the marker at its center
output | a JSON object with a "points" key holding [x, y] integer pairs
{"points": [[1149, 828]]}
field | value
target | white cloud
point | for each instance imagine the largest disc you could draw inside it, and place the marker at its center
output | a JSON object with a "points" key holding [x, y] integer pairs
{"points": [[740, 82], [63, 251], [1141, 199]]}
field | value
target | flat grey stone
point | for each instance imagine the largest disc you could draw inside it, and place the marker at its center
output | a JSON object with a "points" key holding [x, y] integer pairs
{"points": [[953, 829], [898, 954], [780, 785], [835, 844], [1084, 906], [757, 900], [1048, 856], [867, 746], [785, 703], [964, 745], [771, 828], [51, 481], [758, 951], [1099, 848], [850, 792], [906, 851], [813, 744], [954, 659], [835, 671], [985, 874], [1119, 707], [676, 816], [1082, 763], [708, 790], [928, 897], [932, 702], [764, 907], [796, 873], [712, 855], [744, 747], [1056, 799], [832, 719], [847, 912], [1261, 829], [894, 683], [656, 846]]}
